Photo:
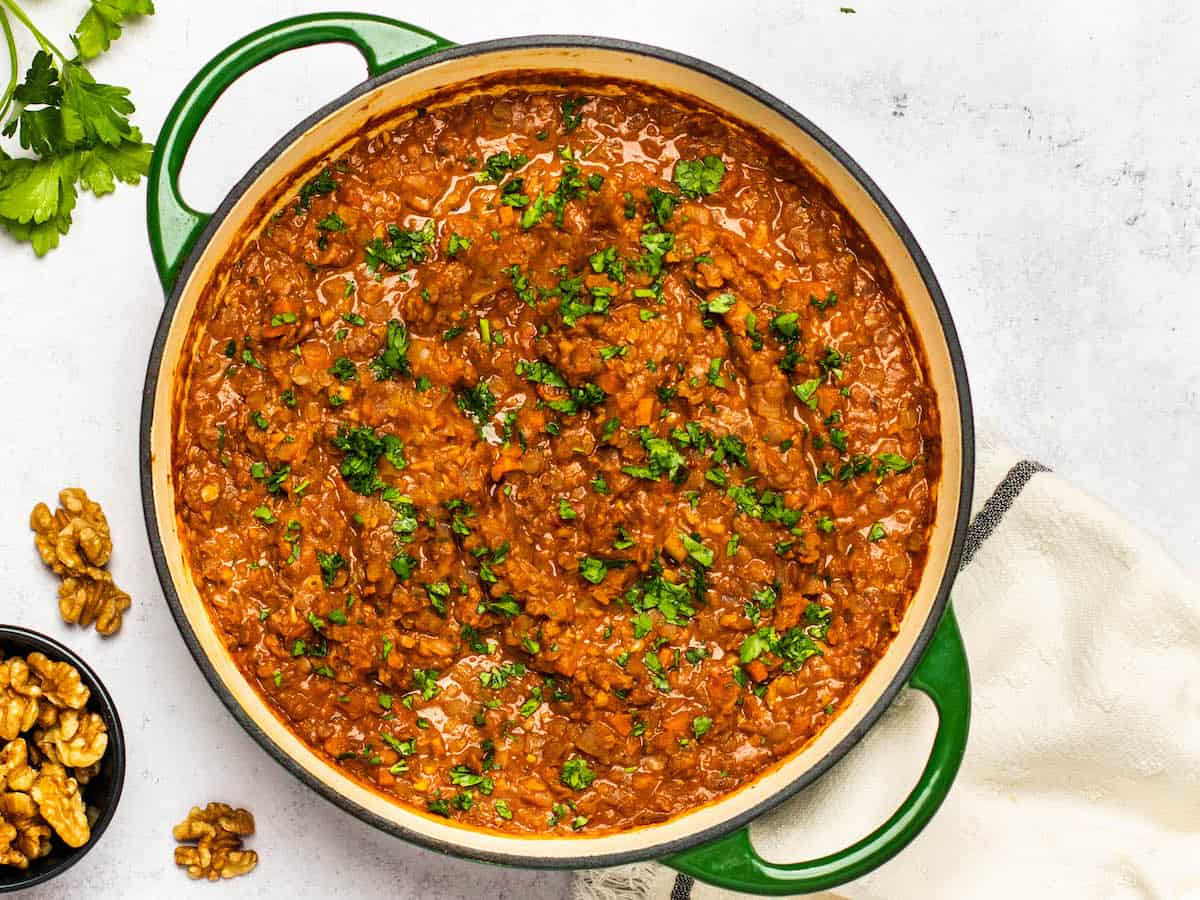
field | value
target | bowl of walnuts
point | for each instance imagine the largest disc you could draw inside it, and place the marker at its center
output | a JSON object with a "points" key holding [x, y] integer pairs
{"points": [[62, 758]]}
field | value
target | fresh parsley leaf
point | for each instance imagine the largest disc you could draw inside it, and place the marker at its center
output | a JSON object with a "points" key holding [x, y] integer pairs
{"points": [[393, 358], [101, 24], [570, 112], [496, 166], [699, 177], [402, 250], [332, 222], [80, 137], [318, 185], [541, 372], [478, 402], [696, 550], [330, 563], [363, 448], [343, 370], [807, 392], [891, 462], [662, 204], [577, 774], [662, 459]]}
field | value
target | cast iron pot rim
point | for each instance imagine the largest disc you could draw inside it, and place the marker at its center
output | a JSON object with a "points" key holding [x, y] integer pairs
{"points": [[868, 719], [35, 640]]}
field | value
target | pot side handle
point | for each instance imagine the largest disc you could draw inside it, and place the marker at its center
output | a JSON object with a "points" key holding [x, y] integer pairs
{"points": [[731, 862], [173, 225]]}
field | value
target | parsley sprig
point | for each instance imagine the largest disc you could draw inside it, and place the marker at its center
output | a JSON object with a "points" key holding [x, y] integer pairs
{"points": [[75, 131]]}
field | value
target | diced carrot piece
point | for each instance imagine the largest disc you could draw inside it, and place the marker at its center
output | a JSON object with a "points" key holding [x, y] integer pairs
{"points": [[645, 410], [756, 670], [508, 461]]}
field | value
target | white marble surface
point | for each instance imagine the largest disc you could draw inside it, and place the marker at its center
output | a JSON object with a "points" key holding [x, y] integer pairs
{"points": [[1043, 151]]}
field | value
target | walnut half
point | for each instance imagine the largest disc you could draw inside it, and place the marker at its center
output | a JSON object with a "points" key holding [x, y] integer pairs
{"points": [[61, 805], [85, 600], [18, 698], [218, 830], [75, 543]]}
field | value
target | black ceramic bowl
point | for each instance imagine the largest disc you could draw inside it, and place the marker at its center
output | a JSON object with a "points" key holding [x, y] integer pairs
{"points": [[102, 792]]}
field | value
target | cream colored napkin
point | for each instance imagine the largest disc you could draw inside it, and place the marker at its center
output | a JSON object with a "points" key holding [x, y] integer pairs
{"points": [[1082, 776]]}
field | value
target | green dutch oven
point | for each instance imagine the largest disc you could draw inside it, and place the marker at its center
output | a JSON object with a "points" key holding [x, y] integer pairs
{"points": [[406, 64]]}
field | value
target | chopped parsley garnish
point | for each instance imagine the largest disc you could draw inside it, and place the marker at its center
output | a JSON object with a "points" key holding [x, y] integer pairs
{"points": [[402, 250], [662, 204], [701, 725], [498, 677], [662, 459], [506, 605], [831, 299], [657, 245], [891, 462], [607, 353], [594, 570], [393, 358], [793, 647], [655, 669], [877, 533], [478, 403], [696, 550], [572, 118], [457, 243], [719, 305], [498, 164], [807, 392], [425, 681], [566, 512], [343, 370], [574, 305], [607, 262], [332, 222], [699, 177], [786, 326], [363, 448], [438, 593], [576, 774], [323, 183], [330, 563], [540, 372], [586, 396]]}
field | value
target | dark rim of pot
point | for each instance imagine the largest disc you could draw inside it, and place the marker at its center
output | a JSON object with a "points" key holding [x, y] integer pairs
{"points": [[463, 848], [100, 702]]}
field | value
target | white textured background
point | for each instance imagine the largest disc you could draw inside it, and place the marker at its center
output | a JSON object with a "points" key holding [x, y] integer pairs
{"points": [[1044, 152]]}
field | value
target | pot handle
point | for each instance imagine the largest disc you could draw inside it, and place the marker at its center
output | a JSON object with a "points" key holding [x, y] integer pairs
{"points": [[173, 225], [731, 862]]}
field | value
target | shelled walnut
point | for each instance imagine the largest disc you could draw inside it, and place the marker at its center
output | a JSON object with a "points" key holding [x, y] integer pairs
{"points": [[75, 740], [61, 804], [41, 773], [82, 601], [218, 830], [75, 543]]}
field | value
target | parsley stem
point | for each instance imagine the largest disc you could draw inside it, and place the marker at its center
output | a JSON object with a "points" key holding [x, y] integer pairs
{"points": [[14, 72], [45, 42]]}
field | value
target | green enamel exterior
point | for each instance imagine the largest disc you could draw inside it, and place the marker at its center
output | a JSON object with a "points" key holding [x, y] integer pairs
{"points": [[731, 861], [174, 226]]}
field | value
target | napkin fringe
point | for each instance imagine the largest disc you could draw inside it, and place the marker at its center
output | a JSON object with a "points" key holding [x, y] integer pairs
{"points": [[634, 882]]}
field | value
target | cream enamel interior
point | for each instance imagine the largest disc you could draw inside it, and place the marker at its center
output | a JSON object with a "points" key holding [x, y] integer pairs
{"points": [[617, 64]]}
